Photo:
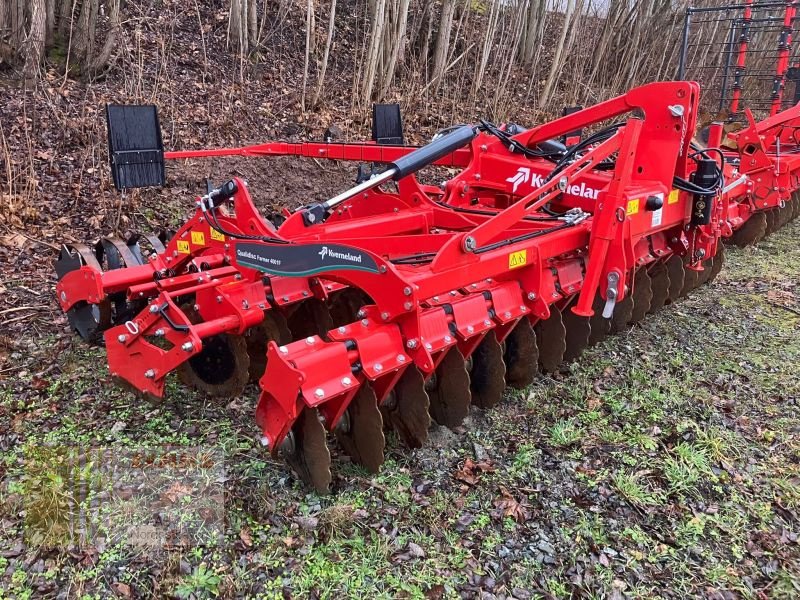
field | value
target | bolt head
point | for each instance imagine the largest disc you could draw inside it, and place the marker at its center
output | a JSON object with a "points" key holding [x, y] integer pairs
{"points": [[447, 339], [346, 381], [531, 296], [470, 329], [283, 350], [159, 332], [265, 441], [378, 367], [63, 296], [428, 346], [408, 305], [150, 373], [385, 316], [407, 291], [507, 315], [401, 358], [319, 393], [486, 322], [411, 344], [310, 340], [187, 347], [342, 329], [153, 308], [121, 339]]}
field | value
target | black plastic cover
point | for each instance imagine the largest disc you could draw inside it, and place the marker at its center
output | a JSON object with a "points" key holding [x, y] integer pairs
{"points": [[135, 147], [387, 124]]}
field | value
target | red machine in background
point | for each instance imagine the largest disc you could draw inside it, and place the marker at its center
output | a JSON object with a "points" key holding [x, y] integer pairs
{"points": [[396, 303]]}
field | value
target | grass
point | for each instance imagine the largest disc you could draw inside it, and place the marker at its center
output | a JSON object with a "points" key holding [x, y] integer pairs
{"points": [[664, 462]]}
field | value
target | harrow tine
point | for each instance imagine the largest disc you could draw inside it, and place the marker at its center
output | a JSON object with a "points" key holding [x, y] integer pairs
{"points": [[642, 294], [718, 260], [222, 368], [311, 317], [676, 273], [660, 286], [578, 333], [752, 232], [487, 372], [551, 337], [272, 328], [448, 390], [521, 355], [360, 431], [307, 451], [600, 326], [406, 409]]}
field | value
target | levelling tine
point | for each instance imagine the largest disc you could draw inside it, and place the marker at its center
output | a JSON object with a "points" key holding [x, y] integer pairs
{"points": [[521, 355], [717, 263], [406, 408], [600, 327], [642, 295], [660, 284], [487, 372], [551, 337], [308, 453], [272, 328], [448, 390], [676, 273], [578, 331], [221, 368], [360, 432], [311, 317]]}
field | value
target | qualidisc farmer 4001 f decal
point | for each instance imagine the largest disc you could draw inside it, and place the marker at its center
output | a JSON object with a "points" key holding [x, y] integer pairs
{"points": [[308, 259]]}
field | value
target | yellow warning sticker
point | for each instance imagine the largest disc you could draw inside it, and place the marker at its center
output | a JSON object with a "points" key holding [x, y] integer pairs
{"points": [[198, 238], [517, 259], [633, 207], [216, 235], [183, 247], [673, 197]]}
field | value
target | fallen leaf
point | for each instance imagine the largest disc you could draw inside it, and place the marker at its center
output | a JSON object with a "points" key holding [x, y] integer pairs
{"points": [[511, 507], [246, 538], [123, 589]]}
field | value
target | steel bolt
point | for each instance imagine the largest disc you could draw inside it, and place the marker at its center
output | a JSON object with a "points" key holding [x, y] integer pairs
{"points": [[346, 381], [285, 298], [187, 347], [401, 358], [436, 298], [159, 332], [407, 291], [378, 367], [364, 322], [470, 244], [63, 296], [385, 316], [121, 339], [531, 296], [470, 329], [219, 299], [153, 308], [447, 339], [411, 344], [319, 393], [265, 441], [382, 268], [283, 350], [486, 322], [361, 314], [150, 374], [428, 346], [342, 329], [310, 340], [523, 308], [408, 305], [452, 292]]}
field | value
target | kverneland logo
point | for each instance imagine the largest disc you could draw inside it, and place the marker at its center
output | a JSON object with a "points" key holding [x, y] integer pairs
{"points": [[524, 175]]}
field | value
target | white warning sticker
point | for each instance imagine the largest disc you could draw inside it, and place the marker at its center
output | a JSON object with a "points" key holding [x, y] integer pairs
{"points": [[656, 220]]}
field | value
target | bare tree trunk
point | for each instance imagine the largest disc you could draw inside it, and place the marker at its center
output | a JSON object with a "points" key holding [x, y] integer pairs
{"points": [[488, 41], [309, 42], [33, 47], [324, 66], [443, 39], [51, 21], [237, 27], [99, 62], [397, 42], [555, 67], [373, 54]]}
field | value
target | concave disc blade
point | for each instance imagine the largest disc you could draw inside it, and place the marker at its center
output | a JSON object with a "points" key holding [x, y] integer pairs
{"points": [[89, 320], [521, 355], [752, 231], [361, 433], [642, 294], [717, 263], [551, 337], [311, 317], [676, 274], [578, 331], [488, 373], [690, 280], [272, 328], [600, 327], [221, 368], [406, 408], [772, 221], [623, 311], [660, 285], [309, 455], [448, 390], [795, 205], [344, 306]]}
